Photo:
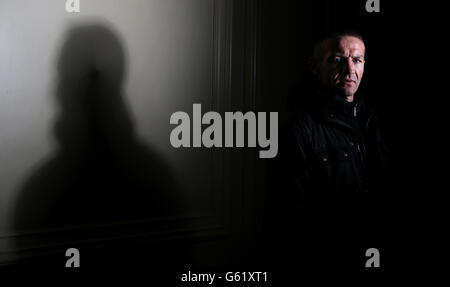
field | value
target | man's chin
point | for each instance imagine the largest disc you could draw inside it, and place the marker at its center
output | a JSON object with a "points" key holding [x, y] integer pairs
{"points": [[346, 93]]}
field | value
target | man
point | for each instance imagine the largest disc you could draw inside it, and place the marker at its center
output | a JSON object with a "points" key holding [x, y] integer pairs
{"points": [[332, 158]]}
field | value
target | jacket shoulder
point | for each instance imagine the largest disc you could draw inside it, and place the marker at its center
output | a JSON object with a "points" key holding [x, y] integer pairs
{"points": [[299, 129]]}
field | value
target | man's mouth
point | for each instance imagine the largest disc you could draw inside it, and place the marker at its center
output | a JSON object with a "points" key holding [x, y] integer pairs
{"points": [[346, 82]]}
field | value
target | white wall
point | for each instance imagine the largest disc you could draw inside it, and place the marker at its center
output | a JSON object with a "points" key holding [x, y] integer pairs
{"points": [[169, 48]]}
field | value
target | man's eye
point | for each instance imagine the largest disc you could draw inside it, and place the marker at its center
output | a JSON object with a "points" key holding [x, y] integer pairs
{"points": [[335, 60], [357, 61]]}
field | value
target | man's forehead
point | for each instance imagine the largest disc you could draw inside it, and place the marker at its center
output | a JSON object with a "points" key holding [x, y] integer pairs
{"points": [[350, 44], [347, 45]]}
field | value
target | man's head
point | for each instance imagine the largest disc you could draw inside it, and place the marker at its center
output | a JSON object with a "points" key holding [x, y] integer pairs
{"points": [[338, 63]]}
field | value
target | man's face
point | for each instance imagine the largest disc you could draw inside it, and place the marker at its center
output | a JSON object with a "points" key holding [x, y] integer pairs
{"points": [[342, 65]]}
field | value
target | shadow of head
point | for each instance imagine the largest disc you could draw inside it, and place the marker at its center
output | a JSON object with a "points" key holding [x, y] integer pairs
{"points": [[100, 172], [91, 68], [90, 48]]}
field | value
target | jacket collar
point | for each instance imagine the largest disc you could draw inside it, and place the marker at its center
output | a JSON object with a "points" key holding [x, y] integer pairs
{"points": [[334, 109]]}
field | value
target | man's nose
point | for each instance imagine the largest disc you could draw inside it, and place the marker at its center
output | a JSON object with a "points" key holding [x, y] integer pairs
{"points": [[348, 66]]}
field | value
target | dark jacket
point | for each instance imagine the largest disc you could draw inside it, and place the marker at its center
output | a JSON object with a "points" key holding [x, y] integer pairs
{"points": [[331, 149], [332, 161]]}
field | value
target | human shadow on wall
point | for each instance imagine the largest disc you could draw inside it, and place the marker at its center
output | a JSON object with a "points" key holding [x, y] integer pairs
{"points": [[100, 172]]}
